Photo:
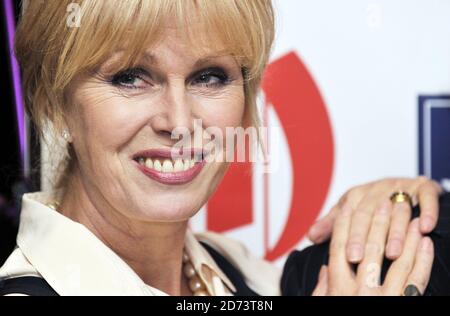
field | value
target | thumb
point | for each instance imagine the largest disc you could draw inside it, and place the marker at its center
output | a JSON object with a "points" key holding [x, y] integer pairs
{"points": [[321, 230]]}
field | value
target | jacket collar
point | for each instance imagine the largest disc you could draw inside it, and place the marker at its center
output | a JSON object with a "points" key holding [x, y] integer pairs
{"points": [[75, 262]]}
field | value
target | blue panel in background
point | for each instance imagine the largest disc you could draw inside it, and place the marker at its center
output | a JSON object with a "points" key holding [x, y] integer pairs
{"points": [[434, 138]]}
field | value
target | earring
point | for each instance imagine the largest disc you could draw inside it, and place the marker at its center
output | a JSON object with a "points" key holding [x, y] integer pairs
{"points": [[66, 135]]}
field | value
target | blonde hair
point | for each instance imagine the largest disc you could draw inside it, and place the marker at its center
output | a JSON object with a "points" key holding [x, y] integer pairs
{"points": [[51, 53]]}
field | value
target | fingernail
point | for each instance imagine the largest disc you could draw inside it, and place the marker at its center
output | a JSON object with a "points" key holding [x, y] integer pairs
{"points": [[394, 248], [355, 253], [314, 230], [426, 224]]}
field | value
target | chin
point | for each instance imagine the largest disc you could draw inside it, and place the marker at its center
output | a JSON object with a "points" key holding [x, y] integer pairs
{"points": [[170, 207]]}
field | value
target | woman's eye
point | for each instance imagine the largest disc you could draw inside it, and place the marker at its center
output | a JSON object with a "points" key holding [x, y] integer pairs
{"points": [[132, 79], [214, 77]]}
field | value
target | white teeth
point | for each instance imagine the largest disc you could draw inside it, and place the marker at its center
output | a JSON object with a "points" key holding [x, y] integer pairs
{"points": [[178, 166], [149, 163], [167, 166], [157, 165], [187, 164]]}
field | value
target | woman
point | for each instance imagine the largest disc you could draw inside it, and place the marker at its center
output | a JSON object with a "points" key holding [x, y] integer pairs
{"points": [[115, 85]]}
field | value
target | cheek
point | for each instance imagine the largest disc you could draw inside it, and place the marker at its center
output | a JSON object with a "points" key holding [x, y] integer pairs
{"points": [[223, 111], [221, 114], [107, 122]]}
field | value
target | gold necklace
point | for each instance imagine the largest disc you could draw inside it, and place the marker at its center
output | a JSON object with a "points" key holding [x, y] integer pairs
{"points": [[195, 283]]}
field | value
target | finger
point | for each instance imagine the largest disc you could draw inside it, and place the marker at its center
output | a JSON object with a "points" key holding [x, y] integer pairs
{"points": [[420, 275], [401, 268], [322, 285], [339, 269], [428, 196], [368, 273], [360, 226], [401, 216], [321, 230]]}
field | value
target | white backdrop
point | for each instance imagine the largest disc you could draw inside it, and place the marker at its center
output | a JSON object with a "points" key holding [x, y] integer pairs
{"points": [[370, 61]]}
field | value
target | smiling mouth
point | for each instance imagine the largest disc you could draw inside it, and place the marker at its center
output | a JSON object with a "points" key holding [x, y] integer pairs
{"points": [[163, 166]]}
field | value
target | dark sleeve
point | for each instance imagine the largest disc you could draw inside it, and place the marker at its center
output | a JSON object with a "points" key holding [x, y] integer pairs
{"points": [[301, 270]]}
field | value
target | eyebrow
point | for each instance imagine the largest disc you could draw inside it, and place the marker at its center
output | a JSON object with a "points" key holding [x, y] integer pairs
{"points": [[152, 59]]}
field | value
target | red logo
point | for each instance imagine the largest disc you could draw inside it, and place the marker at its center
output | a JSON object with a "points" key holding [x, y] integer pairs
{"points": [[291, 93]]}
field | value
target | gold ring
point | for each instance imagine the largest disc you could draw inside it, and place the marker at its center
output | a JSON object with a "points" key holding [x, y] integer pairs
{"points": [[400, 197]]}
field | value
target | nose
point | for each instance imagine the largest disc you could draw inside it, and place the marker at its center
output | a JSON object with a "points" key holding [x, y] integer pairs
{"points": [[175, 111]]}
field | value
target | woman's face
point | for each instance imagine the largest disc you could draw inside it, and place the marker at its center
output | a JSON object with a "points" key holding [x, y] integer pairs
{"points": [[121, 125]]}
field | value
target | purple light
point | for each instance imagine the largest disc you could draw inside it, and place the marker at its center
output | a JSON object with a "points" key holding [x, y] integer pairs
{"points": [[11, 29]]}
